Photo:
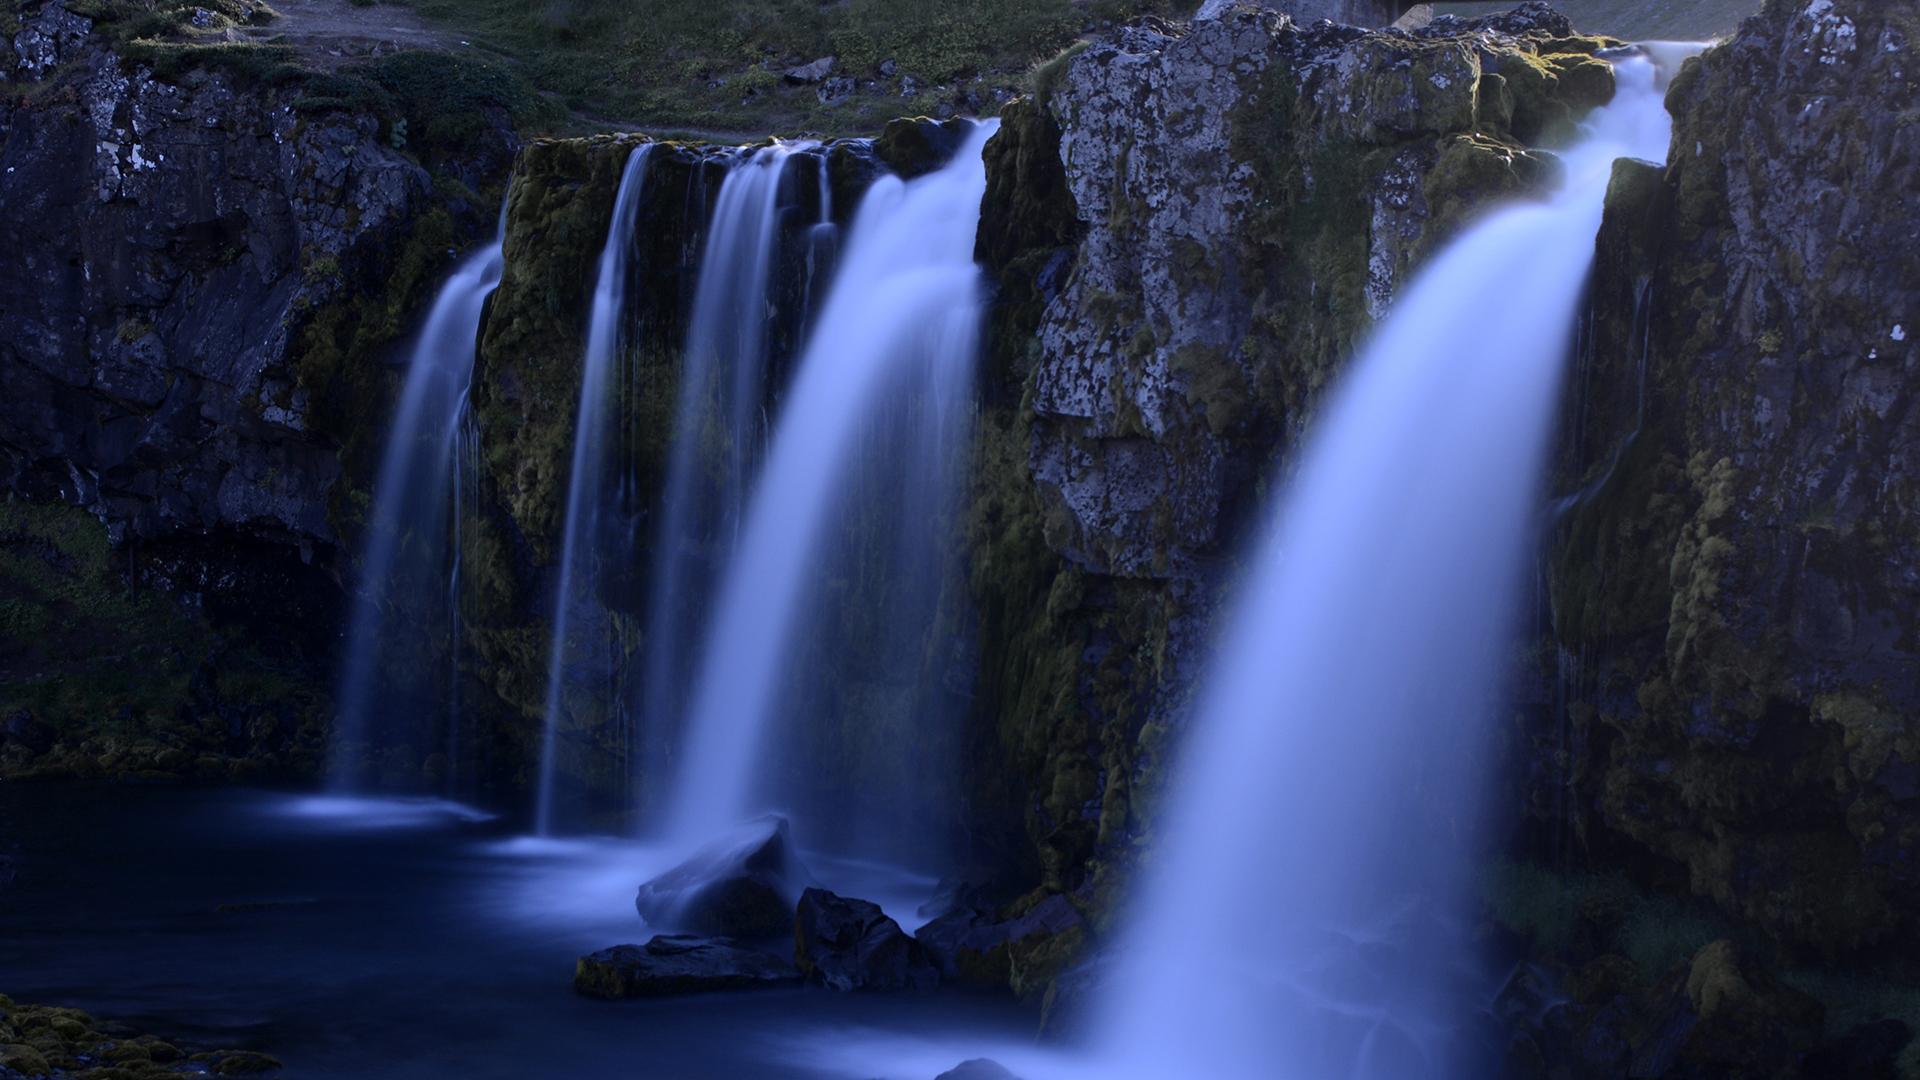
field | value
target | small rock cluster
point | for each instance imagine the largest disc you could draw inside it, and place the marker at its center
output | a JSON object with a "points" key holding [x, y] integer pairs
{"points": [[739, 894], [38, 1041]]}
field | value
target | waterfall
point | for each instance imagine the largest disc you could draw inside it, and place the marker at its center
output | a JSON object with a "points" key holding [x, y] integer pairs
{"points": [[1306, 913], [406, 544], [902, 313], [576, 596], [466, 496], [718, 406]]}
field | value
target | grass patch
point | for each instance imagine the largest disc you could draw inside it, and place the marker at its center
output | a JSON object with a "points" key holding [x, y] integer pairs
{"points": [[720, 63], [429, 100]]}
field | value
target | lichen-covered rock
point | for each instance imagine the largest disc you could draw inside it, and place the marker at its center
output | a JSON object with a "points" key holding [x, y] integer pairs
{"points": [[171, 240], [46, 38], [1736, 581], [1189, 230], [185, 239]]}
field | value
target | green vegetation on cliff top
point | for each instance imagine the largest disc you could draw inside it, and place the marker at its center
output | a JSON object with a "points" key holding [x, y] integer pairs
{"points": [[723, 63]]}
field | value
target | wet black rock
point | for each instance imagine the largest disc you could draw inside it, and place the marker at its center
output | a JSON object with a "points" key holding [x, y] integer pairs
{"points": [[741, 886], [679, 965], [978, 1069], [915, 146], [970, 946], [848, 944]]}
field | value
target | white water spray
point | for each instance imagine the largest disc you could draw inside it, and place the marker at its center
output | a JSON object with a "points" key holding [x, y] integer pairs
{"points": [[1306, 913], [904, 304]]}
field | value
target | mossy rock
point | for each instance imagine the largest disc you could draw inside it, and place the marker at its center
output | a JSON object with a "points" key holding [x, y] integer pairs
{"points": [[914, 146]]}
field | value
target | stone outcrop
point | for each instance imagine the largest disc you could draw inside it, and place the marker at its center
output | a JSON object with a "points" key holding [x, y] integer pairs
{"points": [[1736, 585], [669, 965], [190, 225], [1189, 230]]}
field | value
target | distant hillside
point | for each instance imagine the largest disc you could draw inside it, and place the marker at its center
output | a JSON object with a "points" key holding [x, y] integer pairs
{"points": [[1638, 20]]}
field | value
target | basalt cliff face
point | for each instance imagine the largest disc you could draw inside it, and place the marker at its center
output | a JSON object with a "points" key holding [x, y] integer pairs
{"points": [[183, 452], [1723, 759], [1712, 766], [1190, 229]]}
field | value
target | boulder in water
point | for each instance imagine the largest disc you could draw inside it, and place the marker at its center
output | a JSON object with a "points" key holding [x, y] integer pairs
{"points": [[741, 886], [848, 944], [978, 1069], [678, 965]]}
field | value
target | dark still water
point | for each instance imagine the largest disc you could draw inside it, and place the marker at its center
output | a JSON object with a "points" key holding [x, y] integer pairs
{"points": [[401, 939]]}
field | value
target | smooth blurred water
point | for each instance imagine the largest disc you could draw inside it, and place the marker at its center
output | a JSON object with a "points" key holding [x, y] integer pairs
{"points": [[718, 428], [901, 315], [1308, 908], [577, 634], [407, 551]]}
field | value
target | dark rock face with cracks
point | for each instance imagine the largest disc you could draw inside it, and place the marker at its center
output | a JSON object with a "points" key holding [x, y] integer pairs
{"points": [[970, 946], [848, 944], [672, 964], [740, 886]]}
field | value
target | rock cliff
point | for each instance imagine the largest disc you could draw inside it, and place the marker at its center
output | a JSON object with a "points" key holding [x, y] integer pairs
{"points": [[212, 265], [1730, 690], [1191, 228]]}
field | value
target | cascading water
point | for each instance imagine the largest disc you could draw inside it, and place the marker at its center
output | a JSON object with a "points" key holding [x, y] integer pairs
{"points": [[466, 496], [1305, 916], [720, 397], [406, 553], [902, 314], [576, 630]]}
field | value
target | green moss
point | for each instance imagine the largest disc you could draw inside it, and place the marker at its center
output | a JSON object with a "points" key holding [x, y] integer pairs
{"points": [[338, 355], [692, 64], [81, 642], [1551, 92], [527, 383]]}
